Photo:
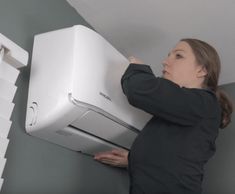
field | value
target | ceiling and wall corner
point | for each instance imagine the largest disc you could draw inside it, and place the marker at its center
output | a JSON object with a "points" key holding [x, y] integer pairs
{"points": [[149, 29]]}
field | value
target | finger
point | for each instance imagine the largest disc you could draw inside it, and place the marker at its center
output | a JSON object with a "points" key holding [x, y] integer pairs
{"points": [[112, 152], [111, 162], [108, 157], [131, 59], [100, 154], [120, 152]]}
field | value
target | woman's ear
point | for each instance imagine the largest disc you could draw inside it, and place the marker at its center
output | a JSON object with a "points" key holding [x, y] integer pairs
{"points": [[201, 72]]}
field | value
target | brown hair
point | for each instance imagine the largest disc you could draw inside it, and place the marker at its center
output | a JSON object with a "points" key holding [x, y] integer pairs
{"points": [[207, 56]]}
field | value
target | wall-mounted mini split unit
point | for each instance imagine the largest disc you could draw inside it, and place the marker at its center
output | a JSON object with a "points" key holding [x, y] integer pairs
{"points": [[75, 97]]}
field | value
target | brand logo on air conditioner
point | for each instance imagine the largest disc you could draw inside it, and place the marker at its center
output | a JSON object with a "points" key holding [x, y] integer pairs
{"points": [[105, 96]]}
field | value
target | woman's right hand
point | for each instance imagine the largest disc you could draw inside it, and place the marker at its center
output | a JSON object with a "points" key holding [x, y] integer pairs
{"points": [[116, 157], [135, 60]]}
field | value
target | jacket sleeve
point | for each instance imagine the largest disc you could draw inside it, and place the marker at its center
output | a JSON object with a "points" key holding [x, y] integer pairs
{"points": [[165, 99]]}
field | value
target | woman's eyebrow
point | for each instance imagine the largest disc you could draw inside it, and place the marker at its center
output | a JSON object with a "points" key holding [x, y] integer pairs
{"points": [[176, 50]]}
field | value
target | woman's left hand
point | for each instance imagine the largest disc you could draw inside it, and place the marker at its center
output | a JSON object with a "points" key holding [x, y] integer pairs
{"points": [[116, 157]]}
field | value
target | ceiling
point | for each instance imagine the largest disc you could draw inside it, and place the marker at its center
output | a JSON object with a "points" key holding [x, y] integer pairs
{"points": [[149, 29]]}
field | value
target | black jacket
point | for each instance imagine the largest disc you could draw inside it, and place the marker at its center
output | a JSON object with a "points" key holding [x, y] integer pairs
{"points": [[169, 154]]}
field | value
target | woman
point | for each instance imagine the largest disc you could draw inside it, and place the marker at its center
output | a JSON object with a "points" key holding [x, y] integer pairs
{"points": [[169, 154]]}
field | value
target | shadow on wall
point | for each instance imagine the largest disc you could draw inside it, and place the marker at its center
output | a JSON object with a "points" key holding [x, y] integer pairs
{"points": [[93, 172]]}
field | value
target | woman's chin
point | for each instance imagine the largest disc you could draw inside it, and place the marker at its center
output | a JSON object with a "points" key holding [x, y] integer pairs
{"points": [[165, 76]]}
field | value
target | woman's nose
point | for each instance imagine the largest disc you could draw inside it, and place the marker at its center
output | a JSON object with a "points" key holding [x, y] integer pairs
{"points": [[165, 62]]}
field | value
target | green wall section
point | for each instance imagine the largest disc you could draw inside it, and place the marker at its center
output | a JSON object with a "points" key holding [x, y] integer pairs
{"points": [[35, 166]]}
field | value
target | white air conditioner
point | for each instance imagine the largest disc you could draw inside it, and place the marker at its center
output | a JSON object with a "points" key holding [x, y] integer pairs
{"points": [[75, 97]]}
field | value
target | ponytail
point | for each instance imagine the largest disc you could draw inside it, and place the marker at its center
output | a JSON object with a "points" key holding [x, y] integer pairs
{"points": [[226, 108], [207, 56]]}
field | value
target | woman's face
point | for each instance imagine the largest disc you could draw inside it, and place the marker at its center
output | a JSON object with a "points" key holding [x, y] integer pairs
{"points": [[181, 67]]}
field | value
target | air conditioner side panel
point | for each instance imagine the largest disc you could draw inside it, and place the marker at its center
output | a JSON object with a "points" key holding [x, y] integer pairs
{"points": [[50, 79]]}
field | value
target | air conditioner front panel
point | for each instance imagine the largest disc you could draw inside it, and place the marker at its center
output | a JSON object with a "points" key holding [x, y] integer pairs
{"points": [[76, 140], [105, 128], [98, 68]]}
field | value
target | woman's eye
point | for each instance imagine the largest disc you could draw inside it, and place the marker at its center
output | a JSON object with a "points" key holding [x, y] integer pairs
{"points": [[178, 56]]}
